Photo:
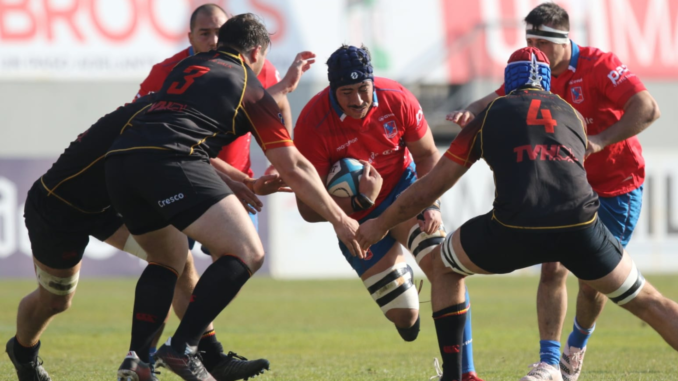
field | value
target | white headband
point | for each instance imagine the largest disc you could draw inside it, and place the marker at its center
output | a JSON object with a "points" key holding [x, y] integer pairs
{"points": [[544, 32]]}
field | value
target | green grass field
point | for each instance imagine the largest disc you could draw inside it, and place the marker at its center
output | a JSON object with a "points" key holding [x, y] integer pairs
{"points": [[331, 330]]}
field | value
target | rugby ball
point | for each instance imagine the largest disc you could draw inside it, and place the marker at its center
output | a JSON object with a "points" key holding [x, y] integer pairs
{"points": [[344, 177]]}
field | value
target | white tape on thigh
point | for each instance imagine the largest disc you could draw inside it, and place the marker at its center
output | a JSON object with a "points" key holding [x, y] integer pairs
{"points": [[450, 258], [421, 244], [393, 288], [133, 247], [56, 285], [629, 289]]}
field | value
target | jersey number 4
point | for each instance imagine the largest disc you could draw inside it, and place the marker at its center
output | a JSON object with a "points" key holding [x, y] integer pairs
{"points": [[192, 72], [547, 121]]}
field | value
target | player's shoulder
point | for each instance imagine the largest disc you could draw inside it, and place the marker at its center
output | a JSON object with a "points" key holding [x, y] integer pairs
{"points": [[591, 57], [316, 110], [389, 88]]}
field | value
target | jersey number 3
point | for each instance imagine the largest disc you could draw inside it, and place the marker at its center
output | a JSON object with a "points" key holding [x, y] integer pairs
{"points": [[192, 72], [547, 121]]}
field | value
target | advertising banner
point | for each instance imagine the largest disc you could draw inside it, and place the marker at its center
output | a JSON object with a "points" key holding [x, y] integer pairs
{"points": [[450, 41]]}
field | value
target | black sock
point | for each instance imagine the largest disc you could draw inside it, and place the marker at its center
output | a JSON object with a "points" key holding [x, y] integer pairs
{"points": [[211, 349], [217, 286], [23, 354], [450, 323], [152, 301]]}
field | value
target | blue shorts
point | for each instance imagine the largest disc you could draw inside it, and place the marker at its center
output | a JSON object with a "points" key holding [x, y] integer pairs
{"points": [[620, 214], [379, 249], [255, 220]]}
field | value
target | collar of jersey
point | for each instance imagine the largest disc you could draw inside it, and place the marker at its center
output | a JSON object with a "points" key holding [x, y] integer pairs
{"points": [[340, 112], [191, 52], [575, 56]]}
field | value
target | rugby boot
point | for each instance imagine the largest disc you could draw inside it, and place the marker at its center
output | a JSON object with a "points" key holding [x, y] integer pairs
{"points": [[30, 371], [470, 376], [133, 369], [571, 362], [543, 372], [233, 367], [187, 365]]}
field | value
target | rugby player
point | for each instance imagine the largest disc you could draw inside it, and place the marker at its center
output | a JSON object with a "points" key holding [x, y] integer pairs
{"points": [[64, 207], [159, 178], [377, 121], [544, 210], [233, 159], [616, 107]]}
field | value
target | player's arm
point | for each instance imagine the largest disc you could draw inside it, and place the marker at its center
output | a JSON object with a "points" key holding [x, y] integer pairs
{"points": [[424, 153], [463, 117], [639, 112], [302, 177], [152, 83], [411, 202], [369, 187]]}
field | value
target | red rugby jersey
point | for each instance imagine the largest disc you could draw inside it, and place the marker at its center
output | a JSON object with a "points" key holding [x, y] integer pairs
{"points": [[598, 85], [237, 153], [324, 134]]}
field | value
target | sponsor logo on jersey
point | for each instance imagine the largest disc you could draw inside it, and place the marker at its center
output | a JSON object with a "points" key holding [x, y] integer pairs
{"points": [[348, 143], [170, 200], [578, 80], [390, 129], [616, 75], [577, 94], [543, 152], [381, 119]]}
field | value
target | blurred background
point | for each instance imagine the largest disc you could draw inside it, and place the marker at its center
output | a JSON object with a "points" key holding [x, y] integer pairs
{"points": [[66, 63]]}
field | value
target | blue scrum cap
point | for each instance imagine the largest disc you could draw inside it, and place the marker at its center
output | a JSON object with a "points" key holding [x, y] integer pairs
{"points": [[527, 66], [349, 65]]}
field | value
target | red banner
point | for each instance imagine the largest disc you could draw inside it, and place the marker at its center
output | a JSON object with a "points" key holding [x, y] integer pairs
{"points": [[480, 35]]}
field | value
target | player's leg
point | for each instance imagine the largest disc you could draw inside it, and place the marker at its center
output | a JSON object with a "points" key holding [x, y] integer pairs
{"points": [[620, 215], [551, 310], [229, 365], [420, 245], [225, 231], [389, 280], [450, 264], [626, 287]]}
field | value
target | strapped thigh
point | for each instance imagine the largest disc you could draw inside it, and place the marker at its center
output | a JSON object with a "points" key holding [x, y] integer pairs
{"points": [[394, 288]]}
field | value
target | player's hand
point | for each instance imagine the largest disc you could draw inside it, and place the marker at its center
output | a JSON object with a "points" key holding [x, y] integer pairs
{"points": [[432, 221], [346, 230], [370, 233], [248, 199], [268, 184], [595, 145], [370, 181], [302, 62], [461, 117]]}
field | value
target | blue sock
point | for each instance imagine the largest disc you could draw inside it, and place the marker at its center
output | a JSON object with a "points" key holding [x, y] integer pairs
{"points": [[579, 336], [467, 341], [549, 352], [151, 352]]}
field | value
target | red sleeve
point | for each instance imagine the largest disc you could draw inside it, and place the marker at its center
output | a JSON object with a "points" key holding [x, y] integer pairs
{"points": [[501, 91], [465, 149], [413, 118], [616, 81], [153, 82], [265, 118], [311, 145], [269, 75]]}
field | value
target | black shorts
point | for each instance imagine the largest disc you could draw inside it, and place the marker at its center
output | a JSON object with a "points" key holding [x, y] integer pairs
{"points": [[589, 253], [59, 233], [155, 189]]}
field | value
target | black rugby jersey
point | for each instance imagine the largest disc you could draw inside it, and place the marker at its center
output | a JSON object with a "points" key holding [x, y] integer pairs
{"points": [[207, 101], [77, 177], [535, 144]]}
